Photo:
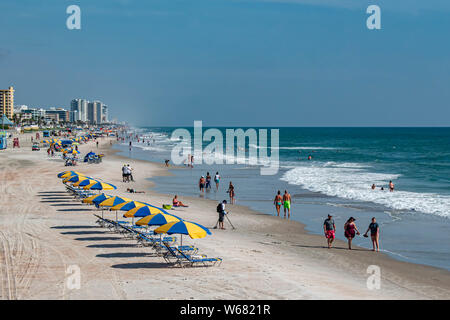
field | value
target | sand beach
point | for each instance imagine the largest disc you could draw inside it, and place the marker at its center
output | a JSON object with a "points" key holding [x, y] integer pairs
{"points": [[44, 232]]}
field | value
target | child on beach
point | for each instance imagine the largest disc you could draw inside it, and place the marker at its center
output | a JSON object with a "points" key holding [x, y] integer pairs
{"points": [[350, 229]]}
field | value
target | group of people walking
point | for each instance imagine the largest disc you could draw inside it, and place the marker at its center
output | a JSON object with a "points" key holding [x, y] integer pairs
{"points": [[284, 201], [350, 231]]}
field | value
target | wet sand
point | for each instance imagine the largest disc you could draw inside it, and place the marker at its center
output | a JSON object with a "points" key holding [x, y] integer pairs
{"points": [[44, 231]]}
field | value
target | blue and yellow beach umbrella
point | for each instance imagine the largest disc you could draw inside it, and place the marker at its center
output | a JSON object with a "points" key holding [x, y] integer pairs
{"points": [[98, 197], [128, 205], [84, 181], [192, 229], [70, 150], [97, 185], [113, 201], [143, 211], [75, 178], [66, 174], [158, 219]]}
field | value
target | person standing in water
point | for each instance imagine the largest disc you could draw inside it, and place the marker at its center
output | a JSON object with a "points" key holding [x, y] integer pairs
{"points": [[231, 192], [201, 183], [374, 233], [391, 186], [329, 229], [216, 180], [278, 201], [350, 229], [208, 181], [287, 203]]}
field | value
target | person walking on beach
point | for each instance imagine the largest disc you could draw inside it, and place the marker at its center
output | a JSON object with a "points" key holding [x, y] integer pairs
{"points": [[231, 192], [201, 183], [216, 180], [374, 233], [350, 229], [287, 203], [329, 228], [278, 201], [208, 181], [222, 213], [97, 144]]}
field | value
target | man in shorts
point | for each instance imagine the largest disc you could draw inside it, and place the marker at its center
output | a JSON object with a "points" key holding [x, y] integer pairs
{"points": [[287, 203], [329, 229], [374, 234], [222, 214]]}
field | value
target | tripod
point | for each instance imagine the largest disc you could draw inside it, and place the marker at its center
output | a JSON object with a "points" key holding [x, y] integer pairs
{"points": [[229, 221]]}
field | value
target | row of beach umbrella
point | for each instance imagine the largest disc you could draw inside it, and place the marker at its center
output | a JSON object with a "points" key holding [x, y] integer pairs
{"points": [[149, 215]]}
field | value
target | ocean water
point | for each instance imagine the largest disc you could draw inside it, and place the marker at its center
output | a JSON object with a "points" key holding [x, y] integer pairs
{"points": [[414, 219]]}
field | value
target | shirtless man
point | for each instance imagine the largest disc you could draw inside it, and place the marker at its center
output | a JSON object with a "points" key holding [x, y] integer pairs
{"points": [[391, 186], [278, 202], [201, 184], [287, 203]]}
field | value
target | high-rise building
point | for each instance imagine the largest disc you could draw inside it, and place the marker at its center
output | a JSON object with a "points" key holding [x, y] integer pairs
{"points": [[79, 110], [88, 111], [95, 111], [105, 114], [7, 102]]}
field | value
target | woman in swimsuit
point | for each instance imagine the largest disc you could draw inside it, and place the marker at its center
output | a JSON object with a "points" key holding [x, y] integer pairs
{"points": [[177, 203], [350, 229], [278, 202], [231, 192]]}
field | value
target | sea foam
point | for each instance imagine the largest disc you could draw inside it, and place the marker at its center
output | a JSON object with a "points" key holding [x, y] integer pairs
{"points": [[353, 181]]}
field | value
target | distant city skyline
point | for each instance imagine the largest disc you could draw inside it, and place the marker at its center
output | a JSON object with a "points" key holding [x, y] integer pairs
{"points": [[234, 62]]}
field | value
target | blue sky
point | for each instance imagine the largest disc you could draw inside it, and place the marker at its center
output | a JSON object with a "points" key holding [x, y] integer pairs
{"points": [[234, 62]]}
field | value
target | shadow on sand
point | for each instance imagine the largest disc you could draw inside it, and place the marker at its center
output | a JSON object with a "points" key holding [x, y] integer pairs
{"points": [[98, 238], [142, 265], [83, 232], [125, 255]]}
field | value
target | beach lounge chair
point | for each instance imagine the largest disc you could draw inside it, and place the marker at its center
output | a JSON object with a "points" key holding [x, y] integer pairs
{"points": [[192, 261], [182, 257], [164, 249], [148, 241]]}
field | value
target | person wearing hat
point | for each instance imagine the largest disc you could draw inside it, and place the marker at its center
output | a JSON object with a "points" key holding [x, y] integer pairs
{"points": [[329, 229], [350, 229]]}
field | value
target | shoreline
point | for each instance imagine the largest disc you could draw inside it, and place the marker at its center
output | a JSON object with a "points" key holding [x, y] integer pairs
{"points": [[321, 208], [264, 258]]}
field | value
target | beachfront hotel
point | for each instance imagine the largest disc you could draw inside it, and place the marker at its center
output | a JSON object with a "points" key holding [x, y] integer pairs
{"points": [[87, 111], [7, 102]]}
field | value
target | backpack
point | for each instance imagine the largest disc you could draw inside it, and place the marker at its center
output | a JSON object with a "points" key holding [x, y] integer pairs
{"points": [[219, 208]]}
